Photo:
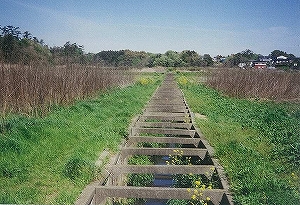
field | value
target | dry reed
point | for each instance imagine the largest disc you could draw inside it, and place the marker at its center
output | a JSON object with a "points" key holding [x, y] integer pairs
{"points": [[35, 89], [263, 84]]}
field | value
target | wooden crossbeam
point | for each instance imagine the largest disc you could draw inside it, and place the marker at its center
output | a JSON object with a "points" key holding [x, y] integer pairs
{"points": [[217, 196]]}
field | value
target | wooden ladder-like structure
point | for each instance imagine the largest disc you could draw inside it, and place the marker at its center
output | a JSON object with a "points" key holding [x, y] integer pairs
{"points": [[166, 119]]}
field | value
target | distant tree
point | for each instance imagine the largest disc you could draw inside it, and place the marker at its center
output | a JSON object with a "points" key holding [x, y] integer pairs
{"points": [[189, 58], [276, 53], [296, 63], [72, 52], [241, 57], [174, 59], [152, 58], [10, 37], [234, 60], [108, 58], [10, 30], [249, 55], [27, 35], [208, 61]]}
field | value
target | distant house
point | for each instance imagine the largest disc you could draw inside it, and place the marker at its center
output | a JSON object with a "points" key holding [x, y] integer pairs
{"points": [[264, 58], [242, 65], [260, 64], [281, 60]]}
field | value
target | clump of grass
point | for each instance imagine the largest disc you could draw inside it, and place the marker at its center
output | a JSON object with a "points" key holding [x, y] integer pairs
{"points": [[261, 84], [76, 167], [16, 171]]}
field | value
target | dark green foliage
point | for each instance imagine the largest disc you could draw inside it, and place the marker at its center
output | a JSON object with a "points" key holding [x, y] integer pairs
{"points": [[178, 202], [122, 58], [139, 179], [10, 144], [77, 167], [17, 170]]}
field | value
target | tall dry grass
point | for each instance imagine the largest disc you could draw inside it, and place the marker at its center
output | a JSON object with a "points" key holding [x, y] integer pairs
{"points": [[264, 84], [35, 89]]}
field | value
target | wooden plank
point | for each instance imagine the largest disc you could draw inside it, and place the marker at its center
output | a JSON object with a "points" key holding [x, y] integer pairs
{"points": [[207, 170], [164, 125], [179, 132], [217, 196], [175, 140], [202, 153]]}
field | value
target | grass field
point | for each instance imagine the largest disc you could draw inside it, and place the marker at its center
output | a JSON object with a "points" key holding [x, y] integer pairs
{"points": [[257, 142], [50, 160]]}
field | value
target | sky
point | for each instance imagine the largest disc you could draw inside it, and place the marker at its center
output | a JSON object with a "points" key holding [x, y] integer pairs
{"points": [[215, 27]]}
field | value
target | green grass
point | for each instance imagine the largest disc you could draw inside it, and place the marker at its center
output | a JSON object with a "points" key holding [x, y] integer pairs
{"points": [[257, 142], [50, 160]]}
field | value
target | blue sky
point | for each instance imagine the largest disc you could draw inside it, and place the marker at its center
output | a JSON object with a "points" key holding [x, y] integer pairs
{"points": [[206, 26]]}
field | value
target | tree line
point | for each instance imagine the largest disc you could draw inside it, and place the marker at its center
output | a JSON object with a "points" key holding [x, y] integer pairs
{"points": [[24, 48]]}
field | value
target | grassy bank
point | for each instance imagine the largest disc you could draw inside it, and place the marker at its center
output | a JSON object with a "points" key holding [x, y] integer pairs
{"points": [[50, 160], [257, 142]]}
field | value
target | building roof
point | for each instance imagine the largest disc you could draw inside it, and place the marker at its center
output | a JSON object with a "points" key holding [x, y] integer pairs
{"points": [[281, 58]]}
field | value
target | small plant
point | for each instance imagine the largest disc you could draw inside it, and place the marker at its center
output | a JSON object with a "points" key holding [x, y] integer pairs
{"points": [[197, 197], [76, 167], [195, 183], [182, 80], [145, 81], [178, 158]]}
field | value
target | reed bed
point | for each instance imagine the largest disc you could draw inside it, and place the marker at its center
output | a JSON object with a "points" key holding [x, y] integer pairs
{"points": [[35, 89], [259, 84]]}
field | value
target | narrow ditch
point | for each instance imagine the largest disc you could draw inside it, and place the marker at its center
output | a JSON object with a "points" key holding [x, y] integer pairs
{"points": [[165, 157]]}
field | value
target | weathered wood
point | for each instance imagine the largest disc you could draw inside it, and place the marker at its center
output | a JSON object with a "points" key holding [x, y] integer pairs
{"points": [[125, 151], [164, 125], [165, 118], [166, 114], [166, 131], [217, 196], [167, 109], [207, 170], [174, 140]]}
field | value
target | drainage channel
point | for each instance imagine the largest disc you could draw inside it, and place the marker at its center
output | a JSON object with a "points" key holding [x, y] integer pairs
{"points": [[166, 133]]}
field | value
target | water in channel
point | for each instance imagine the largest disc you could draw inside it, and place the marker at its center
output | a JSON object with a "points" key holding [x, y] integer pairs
{"points": [[161, 180]]}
